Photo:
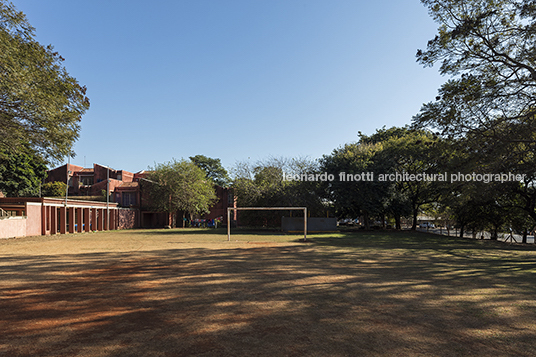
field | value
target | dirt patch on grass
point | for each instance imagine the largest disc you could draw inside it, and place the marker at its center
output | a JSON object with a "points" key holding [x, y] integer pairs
{"points": [[137, 295]]}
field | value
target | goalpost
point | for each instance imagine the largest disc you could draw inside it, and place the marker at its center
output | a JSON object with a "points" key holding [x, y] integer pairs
{"points": [[304, 209]]}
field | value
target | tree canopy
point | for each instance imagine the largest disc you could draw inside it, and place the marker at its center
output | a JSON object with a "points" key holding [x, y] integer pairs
{"points": [[386, 152], [40, 103], [213, 169], [180, 186], [263, 184], [21, 173], [487, 109], [488, 47]]}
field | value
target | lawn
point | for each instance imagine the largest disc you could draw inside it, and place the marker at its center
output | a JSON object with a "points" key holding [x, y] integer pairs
{"points": [[191, 293]]}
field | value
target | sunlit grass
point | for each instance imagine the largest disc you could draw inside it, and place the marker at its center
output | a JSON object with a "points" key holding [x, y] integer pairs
{"points": [[344, 293]]}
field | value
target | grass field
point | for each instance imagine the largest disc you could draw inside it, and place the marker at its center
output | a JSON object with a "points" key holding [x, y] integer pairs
{"points": [[192, 293]]}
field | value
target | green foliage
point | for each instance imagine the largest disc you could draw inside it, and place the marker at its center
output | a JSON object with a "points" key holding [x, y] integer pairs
{"points": [[21, 174], [213, 169], [488, 107], [54, 189], [388, 151], [180, 186], [489, 49], [351, 198], [262, 185], [40, 104]]}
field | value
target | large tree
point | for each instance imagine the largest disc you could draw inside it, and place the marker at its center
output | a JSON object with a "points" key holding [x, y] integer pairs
{"points": [[411, 152], [488, 48], [40, 103], [21, 174], [363, 195], [179, 186], [213, 169], [386, 153]]}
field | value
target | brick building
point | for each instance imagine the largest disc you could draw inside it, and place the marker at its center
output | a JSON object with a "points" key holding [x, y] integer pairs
{"points": [[31, 216], [125, 190]]}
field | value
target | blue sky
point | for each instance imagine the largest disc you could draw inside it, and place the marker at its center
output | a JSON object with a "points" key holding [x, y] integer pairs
{"points": [[236, 80]]}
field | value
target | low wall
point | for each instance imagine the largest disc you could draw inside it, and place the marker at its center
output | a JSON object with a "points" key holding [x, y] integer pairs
{"points": [[314, 224], [12, 227], [127, 218]]}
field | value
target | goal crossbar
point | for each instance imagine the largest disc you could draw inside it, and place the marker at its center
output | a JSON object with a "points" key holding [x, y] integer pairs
{"points": [[304, 209]]}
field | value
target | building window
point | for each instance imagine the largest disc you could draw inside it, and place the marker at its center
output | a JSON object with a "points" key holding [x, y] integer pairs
{"points": [[129, 199], [86, 180]]}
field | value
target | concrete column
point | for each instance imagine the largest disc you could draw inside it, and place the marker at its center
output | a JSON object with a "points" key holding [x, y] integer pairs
{"points": [[79, 219], [49, 219], [104, 219], [112, 219], [87, 221], [44, 218], [93, 219], [53, 220], [63, 220], [72, 218]]}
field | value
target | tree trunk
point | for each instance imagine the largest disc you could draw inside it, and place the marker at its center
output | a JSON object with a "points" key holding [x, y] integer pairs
{"points": [[366, 219], [415, 213], [524, 240], [398, 225], [494, 233]]}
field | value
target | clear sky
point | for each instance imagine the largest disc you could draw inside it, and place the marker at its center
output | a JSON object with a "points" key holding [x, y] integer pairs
{"points": [[236, 80]]}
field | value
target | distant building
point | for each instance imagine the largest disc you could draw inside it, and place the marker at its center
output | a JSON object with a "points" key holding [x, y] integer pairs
{"points": [[125, 190], [89, 181], [31, 216]]}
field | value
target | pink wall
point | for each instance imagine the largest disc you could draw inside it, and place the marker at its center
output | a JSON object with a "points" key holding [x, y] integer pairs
{"points": [[33, 223], [13, 227]]}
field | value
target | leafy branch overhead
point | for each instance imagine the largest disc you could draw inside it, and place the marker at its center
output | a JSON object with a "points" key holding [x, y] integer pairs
{"points": [[488, 49], [40, 103]]}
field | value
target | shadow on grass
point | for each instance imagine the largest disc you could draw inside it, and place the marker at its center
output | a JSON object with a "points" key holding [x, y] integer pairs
{"points": [[213, 231], [179, 231], [357, 295], [411, 240]]}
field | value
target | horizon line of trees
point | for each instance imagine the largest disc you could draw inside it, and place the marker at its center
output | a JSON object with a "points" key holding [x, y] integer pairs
{"points": [[482, 120], [470, 205]]}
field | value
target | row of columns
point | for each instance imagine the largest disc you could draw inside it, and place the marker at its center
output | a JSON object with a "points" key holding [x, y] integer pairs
{"points": [[76, 219]]}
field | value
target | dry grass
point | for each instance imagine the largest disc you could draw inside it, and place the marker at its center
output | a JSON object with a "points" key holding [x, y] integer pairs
{"points": [[191, 293]]}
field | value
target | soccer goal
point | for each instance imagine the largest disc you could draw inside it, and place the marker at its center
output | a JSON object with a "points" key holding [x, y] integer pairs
{"points": [[304, 209]]}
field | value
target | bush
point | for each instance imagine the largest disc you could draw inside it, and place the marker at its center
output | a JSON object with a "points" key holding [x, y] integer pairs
{"points": [[54, 189]]}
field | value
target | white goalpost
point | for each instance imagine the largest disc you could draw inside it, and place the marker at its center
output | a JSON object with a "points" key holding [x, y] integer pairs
{"points": [[304, 209]]}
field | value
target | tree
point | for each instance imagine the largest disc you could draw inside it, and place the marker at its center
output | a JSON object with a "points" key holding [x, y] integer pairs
{"points": [[213, 169], [179, 186], [262, 184], [406, 151], [21, 174], [488, 47], [392, 153], [40, 103], [54, 189], [352, 198]]}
